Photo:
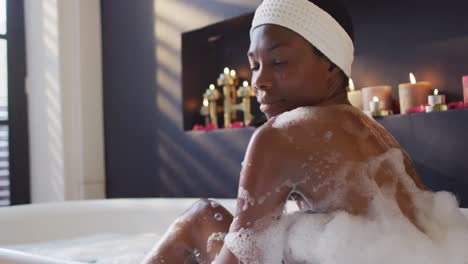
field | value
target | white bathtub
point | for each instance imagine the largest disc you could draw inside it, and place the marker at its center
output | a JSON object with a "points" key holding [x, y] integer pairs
{"points": [[62, 221]]}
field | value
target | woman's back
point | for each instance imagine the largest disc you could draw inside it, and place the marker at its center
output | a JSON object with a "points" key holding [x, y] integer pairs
{"points": [[340, 156]]}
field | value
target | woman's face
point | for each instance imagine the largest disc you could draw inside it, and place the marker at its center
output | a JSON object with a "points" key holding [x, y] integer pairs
{"points": [[286, 72]]}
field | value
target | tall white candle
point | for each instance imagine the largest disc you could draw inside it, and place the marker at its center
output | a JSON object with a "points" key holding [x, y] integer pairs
{"points": [[355, 97]]}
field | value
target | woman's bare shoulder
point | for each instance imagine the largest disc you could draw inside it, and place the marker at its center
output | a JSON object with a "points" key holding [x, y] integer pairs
{"points": [[318, 129]]}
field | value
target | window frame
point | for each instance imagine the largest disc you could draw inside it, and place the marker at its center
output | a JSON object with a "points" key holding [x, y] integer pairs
{"points": [[19, 174]]}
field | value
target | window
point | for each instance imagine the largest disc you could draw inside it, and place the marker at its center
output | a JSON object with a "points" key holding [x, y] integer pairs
{"points": [[14, 161]]}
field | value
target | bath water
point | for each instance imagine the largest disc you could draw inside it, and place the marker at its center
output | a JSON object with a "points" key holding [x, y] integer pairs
{"points": [[100, 248]]}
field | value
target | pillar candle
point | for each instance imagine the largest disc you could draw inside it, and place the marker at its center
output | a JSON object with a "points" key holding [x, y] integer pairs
{"points": [[465, 88], [354, 97], [413, 94], [383, 92]]}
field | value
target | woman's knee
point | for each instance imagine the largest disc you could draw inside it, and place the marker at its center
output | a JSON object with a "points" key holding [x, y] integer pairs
{"points": [[204, 218], [208, 211]]}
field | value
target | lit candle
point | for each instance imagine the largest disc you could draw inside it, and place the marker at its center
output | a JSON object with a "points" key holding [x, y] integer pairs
{"points": [[223, 77], [436, 98], [354, 97], [245, 90], [436, 102], [204, 111], [228, 77], [212, 94], [210, 97], [375, 105], [413, 94], [383, 92], [465, 88]]}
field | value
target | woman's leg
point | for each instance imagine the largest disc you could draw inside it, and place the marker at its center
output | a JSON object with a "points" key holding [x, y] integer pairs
{"points": [[195, 237]]}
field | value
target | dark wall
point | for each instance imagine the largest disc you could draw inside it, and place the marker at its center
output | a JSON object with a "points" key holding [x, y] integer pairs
{"points": [[147, 151], [129, 98]]}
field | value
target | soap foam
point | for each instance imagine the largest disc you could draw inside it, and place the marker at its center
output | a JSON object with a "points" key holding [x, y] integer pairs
{"points": [[383, 235], [292, 117]]}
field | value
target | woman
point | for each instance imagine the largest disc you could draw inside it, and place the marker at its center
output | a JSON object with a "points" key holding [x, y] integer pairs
{"points": [[314, 146]]}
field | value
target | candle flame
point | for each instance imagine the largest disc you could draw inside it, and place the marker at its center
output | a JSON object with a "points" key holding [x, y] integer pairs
{"points": [[226, 70], [436, 91], [212, 87], [351, 85], [245, 84], [233, 73], [205, 102], [412, 78], [375, 99]]}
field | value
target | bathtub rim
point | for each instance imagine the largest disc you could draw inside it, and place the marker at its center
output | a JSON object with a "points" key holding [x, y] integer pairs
{"points": [[18, 224]]}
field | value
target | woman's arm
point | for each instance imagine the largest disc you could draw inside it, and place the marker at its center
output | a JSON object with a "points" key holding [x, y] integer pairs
{"points": [[262, 192]]}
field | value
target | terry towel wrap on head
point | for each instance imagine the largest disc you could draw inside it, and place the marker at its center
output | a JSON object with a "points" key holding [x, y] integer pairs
{"points": [[313, 24]]}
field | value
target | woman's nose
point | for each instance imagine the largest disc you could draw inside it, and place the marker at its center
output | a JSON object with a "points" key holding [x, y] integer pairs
{"points": [[262, 79]]}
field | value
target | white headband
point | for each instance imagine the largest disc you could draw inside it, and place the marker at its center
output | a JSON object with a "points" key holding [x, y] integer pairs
{"points": [[313, 24]]}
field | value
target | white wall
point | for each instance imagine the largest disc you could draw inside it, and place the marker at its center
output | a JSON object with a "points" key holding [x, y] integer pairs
{"points": [[64, 87]]}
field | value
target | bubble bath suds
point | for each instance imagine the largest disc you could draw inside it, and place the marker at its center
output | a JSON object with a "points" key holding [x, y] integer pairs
{"points": [[383, 235]]}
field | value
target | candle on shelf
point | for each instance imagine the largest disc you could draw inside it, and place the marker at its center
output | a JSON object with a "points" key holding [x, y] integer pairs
{"points": [[413, 94], [383, 92], [465, 88], [205, 104], [375, 105], [354, 97], [376, 108], [211, 95], [224, 76], [204, 111], [436, 102], [436, 98]]}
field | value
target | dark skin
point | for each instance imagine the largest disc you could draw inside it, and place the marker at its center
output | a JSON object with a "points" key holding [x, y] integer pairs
{"points": [[286, 74]]}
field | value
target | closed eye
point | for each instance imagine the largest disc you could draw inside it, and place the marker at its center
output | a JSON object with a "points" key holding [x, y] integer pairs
{"points": [[279, 62]]}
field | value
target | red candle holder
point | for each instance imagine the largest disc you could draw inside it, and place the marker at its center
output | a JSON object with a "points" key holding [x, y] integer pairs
{"points": [[417, 109], [211, 127], [457, 105], [237, 124], [198, 127]]}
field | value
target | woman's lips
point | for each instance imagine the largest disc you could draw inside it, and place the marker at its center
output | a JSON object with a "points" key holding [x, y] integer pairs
{"points": [[268, 106]]}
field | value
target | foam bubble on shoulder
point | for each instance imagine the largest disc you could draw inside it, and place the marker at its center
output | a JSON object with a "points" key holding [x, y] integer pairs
{"points": [[292, 117]]}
